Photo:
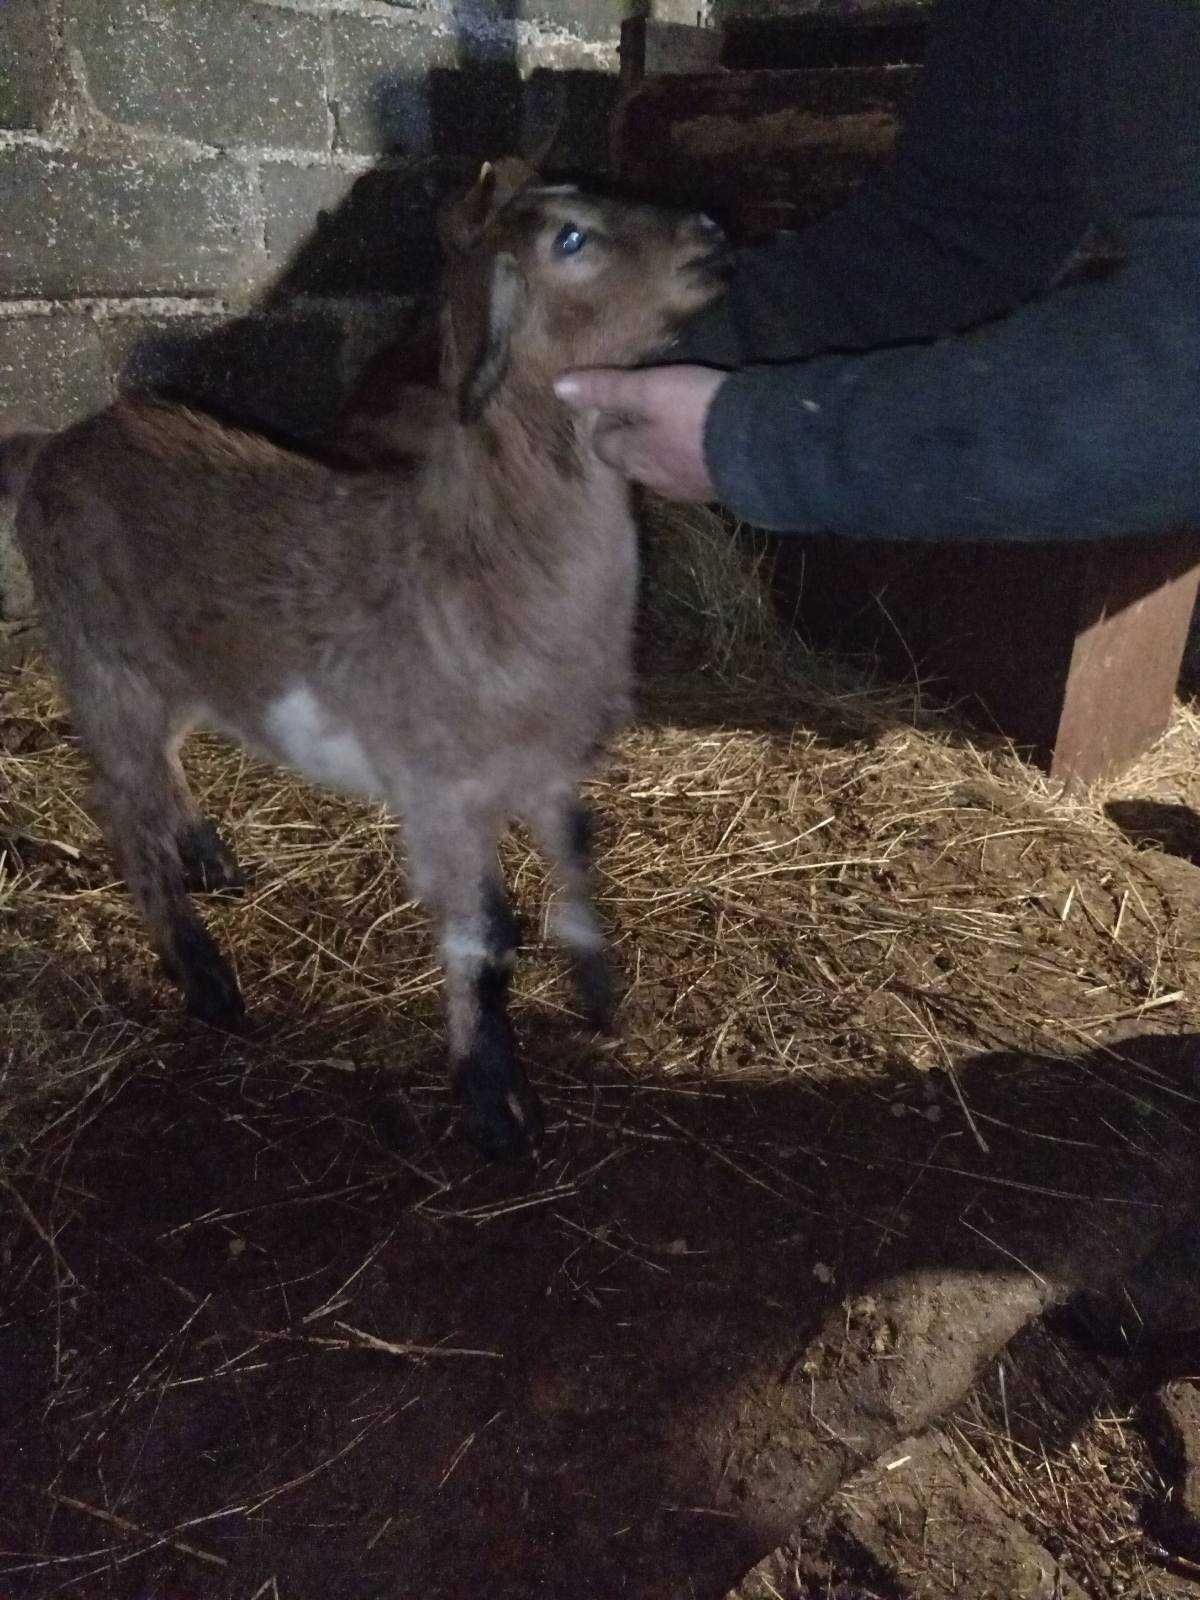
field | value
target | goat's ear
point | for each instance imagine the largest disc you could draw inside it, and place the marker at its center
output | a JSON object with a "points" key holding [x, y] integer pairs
{"points": [[461, 223], [509, 176], [483, 334], [462, 220]]}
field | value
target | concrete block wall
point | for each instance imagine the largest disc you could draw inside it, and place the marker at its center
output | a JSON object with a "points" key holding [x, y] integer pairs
{"points": [[230, 200]]}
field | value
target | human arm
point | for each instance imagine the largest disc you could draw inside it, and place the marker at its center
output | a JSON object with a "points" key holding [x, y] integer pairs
{"points": [[980, 209], [1076, 417]]}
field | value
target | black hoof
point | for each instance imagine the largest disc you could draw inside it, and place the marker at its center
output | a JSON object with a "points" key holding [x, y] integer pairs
{"points": [[209, 865], [597, 990], [501, 1113], [502, 1127], [214, 998], [210, 990]]}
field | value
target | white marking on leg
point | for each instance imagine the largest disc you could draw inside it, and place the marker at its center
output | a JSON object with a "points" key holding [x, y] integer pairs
{"points": [[458, 949], [311, 740], [576, 925]]}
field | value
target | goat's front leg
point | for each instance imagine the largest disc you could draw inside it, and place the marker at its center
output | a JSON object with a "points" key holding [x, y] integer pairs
{"points": [[453, 861], [562, 826]]}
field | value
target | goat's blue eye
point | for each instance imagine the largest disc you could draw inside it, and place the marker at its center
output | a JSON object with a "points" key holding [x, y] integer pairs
{"points": [[570, 241]]}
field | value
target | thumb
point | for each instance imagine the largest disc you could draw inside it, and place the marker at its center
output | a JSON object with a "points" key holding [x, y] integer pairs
{"points": [[605, 388]]}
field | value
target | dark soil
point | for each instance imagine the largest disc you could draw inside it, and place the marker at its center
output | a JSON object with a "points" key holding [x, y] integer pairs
{"points": [[651, 1354], [885, 1087]]}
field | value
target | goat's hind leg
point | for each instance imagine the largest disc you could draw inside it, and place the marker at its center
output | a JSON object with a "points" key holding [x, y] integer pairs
{"points": [[562, 826], [147, 814], [209, 865], [453, 862]]}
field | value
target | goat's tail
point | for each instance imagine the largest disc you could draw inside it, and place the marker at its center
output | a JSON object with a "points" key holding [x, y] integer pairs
{"points": [[18, 452]]}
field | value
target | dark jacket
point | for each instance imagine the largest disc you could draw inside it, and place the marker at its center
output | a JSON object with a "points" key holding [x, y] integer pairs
{"points": [[1068, 412]]}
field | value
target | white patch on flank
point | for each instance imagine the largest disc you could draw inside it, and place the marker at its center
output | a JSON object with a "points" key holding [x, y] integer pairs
{"points": [[311, 741], [576, 926]]}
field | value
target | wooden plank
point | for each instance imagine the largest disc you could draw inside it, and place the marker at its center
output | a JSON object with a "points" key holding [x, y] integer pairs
{"points": [[650, 48], [672, 98], [1136, 606], [891, 36], [1071, 650], [759, 150]]}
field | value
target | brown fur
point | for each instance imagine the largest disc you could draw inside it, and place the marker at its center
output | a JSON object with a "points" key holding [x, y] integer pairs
{"points": [[396, 403], [451, 635]]}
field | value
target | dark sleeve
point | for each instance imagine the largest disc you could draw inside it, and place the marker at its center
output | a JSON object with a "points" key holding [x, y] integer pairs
{"points": [[978, 212], [1075, 417]]}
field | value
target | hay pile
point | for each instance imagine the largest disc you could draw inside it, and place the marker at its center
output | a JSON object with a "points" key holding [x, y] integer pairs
{"points": [[812, 878], [807, 872]]}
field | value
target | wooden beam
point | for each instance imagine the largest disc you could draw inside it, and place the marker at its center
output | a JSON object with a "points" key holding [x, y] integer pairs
{"points": [[748, 146], [650, 49], [893, 36], [1136, 605], [1071, 650]]}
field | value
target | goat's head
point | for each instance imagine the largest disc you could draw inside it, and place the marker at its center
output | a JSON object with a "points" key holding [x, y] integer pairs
{"points": [[547, 277]]}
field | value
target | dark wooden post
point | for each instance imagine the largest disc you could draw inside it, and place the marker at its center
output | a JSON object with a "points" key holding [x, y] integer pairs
{"points": [[1072, 651], [1136, 607]]}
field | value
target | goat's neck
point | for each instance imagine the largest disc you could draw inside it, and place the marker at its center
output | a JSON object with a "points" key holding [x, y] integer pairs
{"points": [[521, 490], [532, 445]]}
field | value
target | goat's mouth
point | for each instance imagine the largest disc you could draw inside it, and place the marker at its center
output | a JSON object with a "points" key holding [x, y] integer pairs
{"points": [[711, 270]]}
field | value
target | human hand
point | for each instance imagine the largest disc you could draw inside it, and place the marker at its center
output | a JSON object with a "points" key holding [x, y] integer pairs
{"points": [[651, 423]]}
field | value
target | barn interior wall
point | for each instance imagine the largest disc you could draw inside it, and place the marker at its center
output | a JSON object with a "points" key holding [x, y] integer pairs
{"points": [[230, 200]]}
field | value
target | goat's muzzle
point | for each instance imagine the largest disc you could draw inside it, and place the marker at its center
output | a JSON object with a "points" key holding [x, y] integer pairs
{"points": [[713, 254]]}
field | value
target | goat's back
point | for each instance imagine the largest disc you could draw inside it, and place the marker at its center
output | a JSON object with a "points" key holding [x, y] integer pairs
{"points": [[166, 497], [202, 553], [447, 609]]}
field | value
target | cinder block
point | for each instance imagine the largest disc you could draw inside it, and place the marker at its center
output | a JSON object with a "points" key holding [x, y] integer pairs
{"points": [[377, 78], [30, 69], [79, 225], [280, 370], [331, 235], [589, 19], [294, 200], [52, 370], [220, 71]]}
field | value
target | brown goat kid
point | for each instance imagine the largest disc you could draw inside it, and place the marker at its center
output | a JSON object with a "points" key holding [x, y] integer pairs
{"points": [[451, 635]]}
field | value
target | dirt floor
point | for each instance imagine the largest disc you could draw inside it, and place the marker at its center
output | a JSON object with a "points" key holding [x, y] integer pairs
{"points": [[909, 1051]]}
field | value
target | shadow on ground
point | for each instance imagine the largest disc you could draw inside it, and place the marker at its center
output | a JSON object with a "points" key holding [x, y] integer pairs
{"points": [[1166, 826], [264, 1321]]}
